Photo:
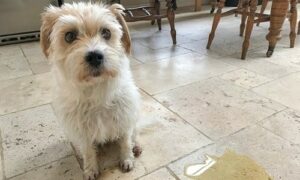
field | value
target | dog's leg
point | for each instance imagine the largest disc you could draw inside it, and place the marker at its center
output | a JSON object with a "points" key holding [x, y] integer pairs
{"points": [[137, 149], [90, 165], [127, 158]]}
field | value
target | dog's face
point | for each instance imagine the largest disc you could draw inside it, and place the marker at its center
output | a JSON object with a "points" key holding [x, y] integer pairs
{"points": [[85, 40]]}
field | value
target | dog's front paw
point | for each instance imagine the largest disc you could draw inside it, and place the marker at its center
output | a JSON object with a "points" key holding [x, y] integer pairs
{"points": [[91, 174], [126, 165], [137, 150]]}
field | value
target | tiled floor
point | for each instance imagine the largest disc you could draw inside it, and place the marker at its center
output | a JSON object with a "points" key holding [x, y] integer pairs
{"points": [[195, 101]]}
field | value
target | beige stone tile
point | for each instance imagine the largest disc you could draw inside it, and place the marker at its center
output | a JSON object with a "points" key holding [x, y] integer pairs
{"points": [[163, 40], [36, 57], [13, 67], [31, 138], [217, 107], [280, 159], [134, 62], [197, 46], [245, 78], [284, 90], [284, 56], [31, 48], [25, 92], [64, 169], [285, 124], [198, 35], [225, 43], [40, 67], [177, 71], [260, 66], [140, 31], [194, 158], [145, 54], [10, 51], [152, 38], [175, 137], [163, 136], [37, 60], [159, 174], [2, 177]]}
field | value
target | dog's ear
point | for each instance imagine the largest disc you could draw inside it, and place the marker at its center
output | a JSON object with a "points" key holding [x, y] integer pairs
{"points": [[117, 10], [48, 20]]}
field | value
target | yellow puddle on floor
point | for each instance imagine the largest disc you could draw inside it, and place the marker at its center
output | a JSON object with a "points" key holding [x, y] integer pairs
{"points": [[230, 166]]}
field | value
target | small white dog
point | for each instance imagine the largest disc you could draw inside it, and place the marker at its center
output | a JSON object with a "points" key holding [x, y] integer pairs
{"points": [[96, 98]]}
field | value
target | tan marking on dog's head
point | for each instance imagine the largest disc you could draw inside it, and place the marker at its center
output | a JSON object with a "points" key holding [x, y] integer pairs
{"points": [[48, 20], [117, 9], [89, 24]]}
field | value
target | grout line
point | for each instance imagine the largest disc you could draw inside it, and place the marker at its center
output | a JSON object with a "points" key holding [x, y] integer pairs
{"points": [[25, 76], [28, 63], [181, 157], [172, 173], [259, 123], [46, 164], [272, 80], [256, 123], [259, 95], [2, 157], [25, 109], [163, 58], [289, 141], [159, 167], [197, 81], [179, 116], [192, 152]]}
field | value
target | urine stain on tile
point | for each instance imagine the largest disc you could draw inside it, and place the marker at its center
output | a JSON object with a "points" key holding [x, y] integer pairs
{"points": [[230, 166]]}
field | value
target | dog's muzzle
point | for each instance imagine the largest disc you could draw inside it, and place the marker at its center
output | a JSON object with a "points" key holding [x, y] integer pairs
{"points": [[94, 58]]}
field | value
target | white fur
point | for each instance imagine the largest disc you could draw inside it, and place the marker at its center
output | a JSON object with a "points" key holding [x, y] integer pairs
{"points": [[100, 109]]}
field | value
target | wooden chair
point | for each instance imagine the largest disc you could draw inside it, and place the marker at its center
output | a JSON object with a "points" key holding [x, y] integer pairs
{"points": [[152, 13], [263, 7], [247, 9]]}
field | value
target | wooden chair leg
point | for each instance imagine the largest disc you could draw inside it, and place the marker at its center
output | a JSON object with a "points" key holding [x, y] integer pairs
{"points": [[249, 27], [213, 6], [216, 21], [262, 10], [157, 8], [152, 4], [239, 6], [293, 22], [245, 7], [298, 28], [171, 18]]}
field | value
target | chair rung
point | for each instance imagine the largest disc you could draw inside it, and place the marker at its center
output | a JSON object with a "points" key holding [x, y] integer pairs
{"points": [[128, 12], [146, 12]]}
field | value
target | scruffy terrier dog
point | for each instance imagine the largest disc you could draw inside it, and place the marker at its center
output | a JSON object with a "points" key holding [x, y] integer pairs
{"points": [[96, 98]]}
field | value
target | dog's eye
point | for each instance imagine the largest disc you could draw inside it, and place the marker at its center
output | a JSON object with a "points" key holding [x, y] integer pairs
{"points": [[105, 33], [70, 36]]}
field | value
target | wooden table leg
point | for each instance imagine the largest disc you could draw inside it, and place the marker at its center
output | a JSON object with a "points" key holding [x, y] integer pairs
{"points": [[293, 22], [278, 14], [171, 18]]}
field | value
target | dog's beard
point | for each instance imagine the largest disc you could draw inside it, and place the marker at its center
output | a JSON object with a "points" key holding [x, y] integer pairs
{"points": [[95, 72]]}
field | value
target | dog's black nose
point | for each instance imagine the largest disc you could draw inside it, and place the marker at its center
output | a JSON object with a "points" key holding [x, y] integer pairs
{"points": [[94, 58]]}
